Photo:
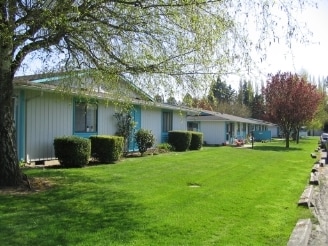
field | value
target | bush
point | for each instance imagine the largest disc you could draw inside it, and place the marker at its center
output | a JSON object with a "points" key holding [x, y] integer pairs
{"points": [[72, 151], [107, 149], [144, 139], [180, 140], [196, 141], [164, 147]]}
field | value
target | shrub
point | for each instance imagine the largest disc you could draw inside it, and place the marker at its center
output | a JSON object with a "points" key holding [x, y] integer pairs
{"points": [[180, 140], [144, 139], [196, 141], [72, 151], [107, 149], [125, 126], [164, 147]]}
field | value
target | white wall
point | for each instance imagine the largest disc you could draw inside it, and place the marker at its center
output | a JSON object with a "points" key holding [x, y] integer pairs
{"points": [[151, 119], [106, 120], [179, 121], [48, 115], [214, 132], [274, 131]]}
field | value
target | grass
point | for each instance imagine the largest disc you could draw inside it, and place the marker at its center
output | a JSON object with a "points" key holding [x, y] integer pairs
{"points": [[216, 196]]}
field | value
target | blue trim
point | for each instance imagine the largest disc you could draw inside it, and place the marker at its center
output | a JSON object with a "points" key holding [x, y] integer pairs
{"points": [[165, 135], [47, 79], [73, 122], [20, 125], [136, 116], [85, 134], [55, 78], [226, 138]]}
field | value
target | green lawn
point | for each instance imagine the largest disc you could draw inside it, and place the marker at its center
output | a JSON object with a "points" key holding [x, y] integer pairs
{"points": [[245, 197]]}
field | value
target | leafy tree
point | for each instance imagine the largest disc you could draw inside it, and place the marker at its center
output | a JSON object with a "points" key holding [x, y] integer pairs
{"points": [[234, 109], [171, 100], [154, 43], [158, 98], [290, 102], [325, 126], [187, 99], [202, 103]]}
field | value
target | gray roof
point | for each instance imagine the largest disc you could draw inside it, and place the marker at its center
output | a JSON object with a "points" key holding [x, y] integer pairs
{"points": [[206, 115], [45, 83]]}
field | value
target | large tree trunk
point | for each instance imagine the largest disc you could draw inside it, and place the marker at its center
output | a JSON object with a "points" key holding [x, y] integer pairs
{"points": [[298, 135], [287, 135], [10, 172]]}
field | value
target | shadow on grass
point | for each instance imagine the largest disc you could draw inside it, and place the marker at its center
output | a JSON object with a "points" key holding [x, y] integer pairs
{"points": [[69, 215], [276, 148]]}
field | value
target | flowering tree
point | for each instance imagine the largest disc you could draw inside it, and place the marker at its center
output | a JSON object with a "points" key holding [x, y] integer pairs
{"points": [[290, 101]]}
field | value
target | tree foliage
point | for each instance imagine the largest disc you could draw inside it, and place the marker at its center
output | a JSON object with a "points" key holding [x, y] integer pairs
{"points": [[290, 102], [257, 107], [171, 100], [125, 126], [220, 92], [160, 43]]}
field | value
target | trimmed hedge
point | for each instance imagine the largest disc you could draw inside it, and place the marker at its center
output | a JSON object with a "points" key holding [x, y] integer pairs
{"points": [[72, 151], [107, 149], [196, 141], [179, 140]]}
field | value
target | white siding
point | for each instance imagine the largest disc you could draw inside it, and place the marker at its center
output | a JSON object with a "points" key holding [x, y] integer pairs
{"points": [[274, 131], [179, 121], [48, 115], [151, 119], [214, 132], [106, 120]]}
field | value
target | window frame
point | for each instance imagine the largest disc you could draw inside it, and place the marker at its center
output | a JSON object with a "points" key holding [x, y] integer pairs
{"points": [[167, 121], [92, 129], [191, 124]]}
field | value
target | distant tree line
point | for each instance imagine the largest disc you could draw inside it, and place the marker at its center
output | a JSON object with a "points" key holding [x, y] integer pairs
{"points": [[302, 99]]}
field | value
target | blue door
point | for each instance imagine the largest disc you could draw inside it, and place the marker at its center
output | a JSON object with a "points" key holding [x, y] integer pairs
{"points": [[136, 117]]}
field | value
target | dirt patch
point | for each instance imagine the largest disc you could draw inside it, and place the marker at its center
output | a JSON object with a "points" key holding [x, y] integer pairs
{"points": [[33, 185]]}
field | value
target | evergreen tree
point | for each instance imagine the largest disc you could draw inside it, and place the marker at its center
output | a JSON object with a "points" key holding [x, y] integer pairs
{"points": [[221, 92]]}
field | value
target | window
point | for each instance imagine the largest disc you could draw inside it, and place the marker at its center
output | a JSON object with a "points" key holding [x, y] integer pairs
{"points": [[167, 121], [244, 127], [192, 126], [85, 117]]}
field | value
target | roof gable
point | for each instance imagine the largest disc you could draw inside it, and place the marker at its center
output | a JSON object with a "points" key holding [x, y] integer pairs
{"points": [[86, 82]]}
